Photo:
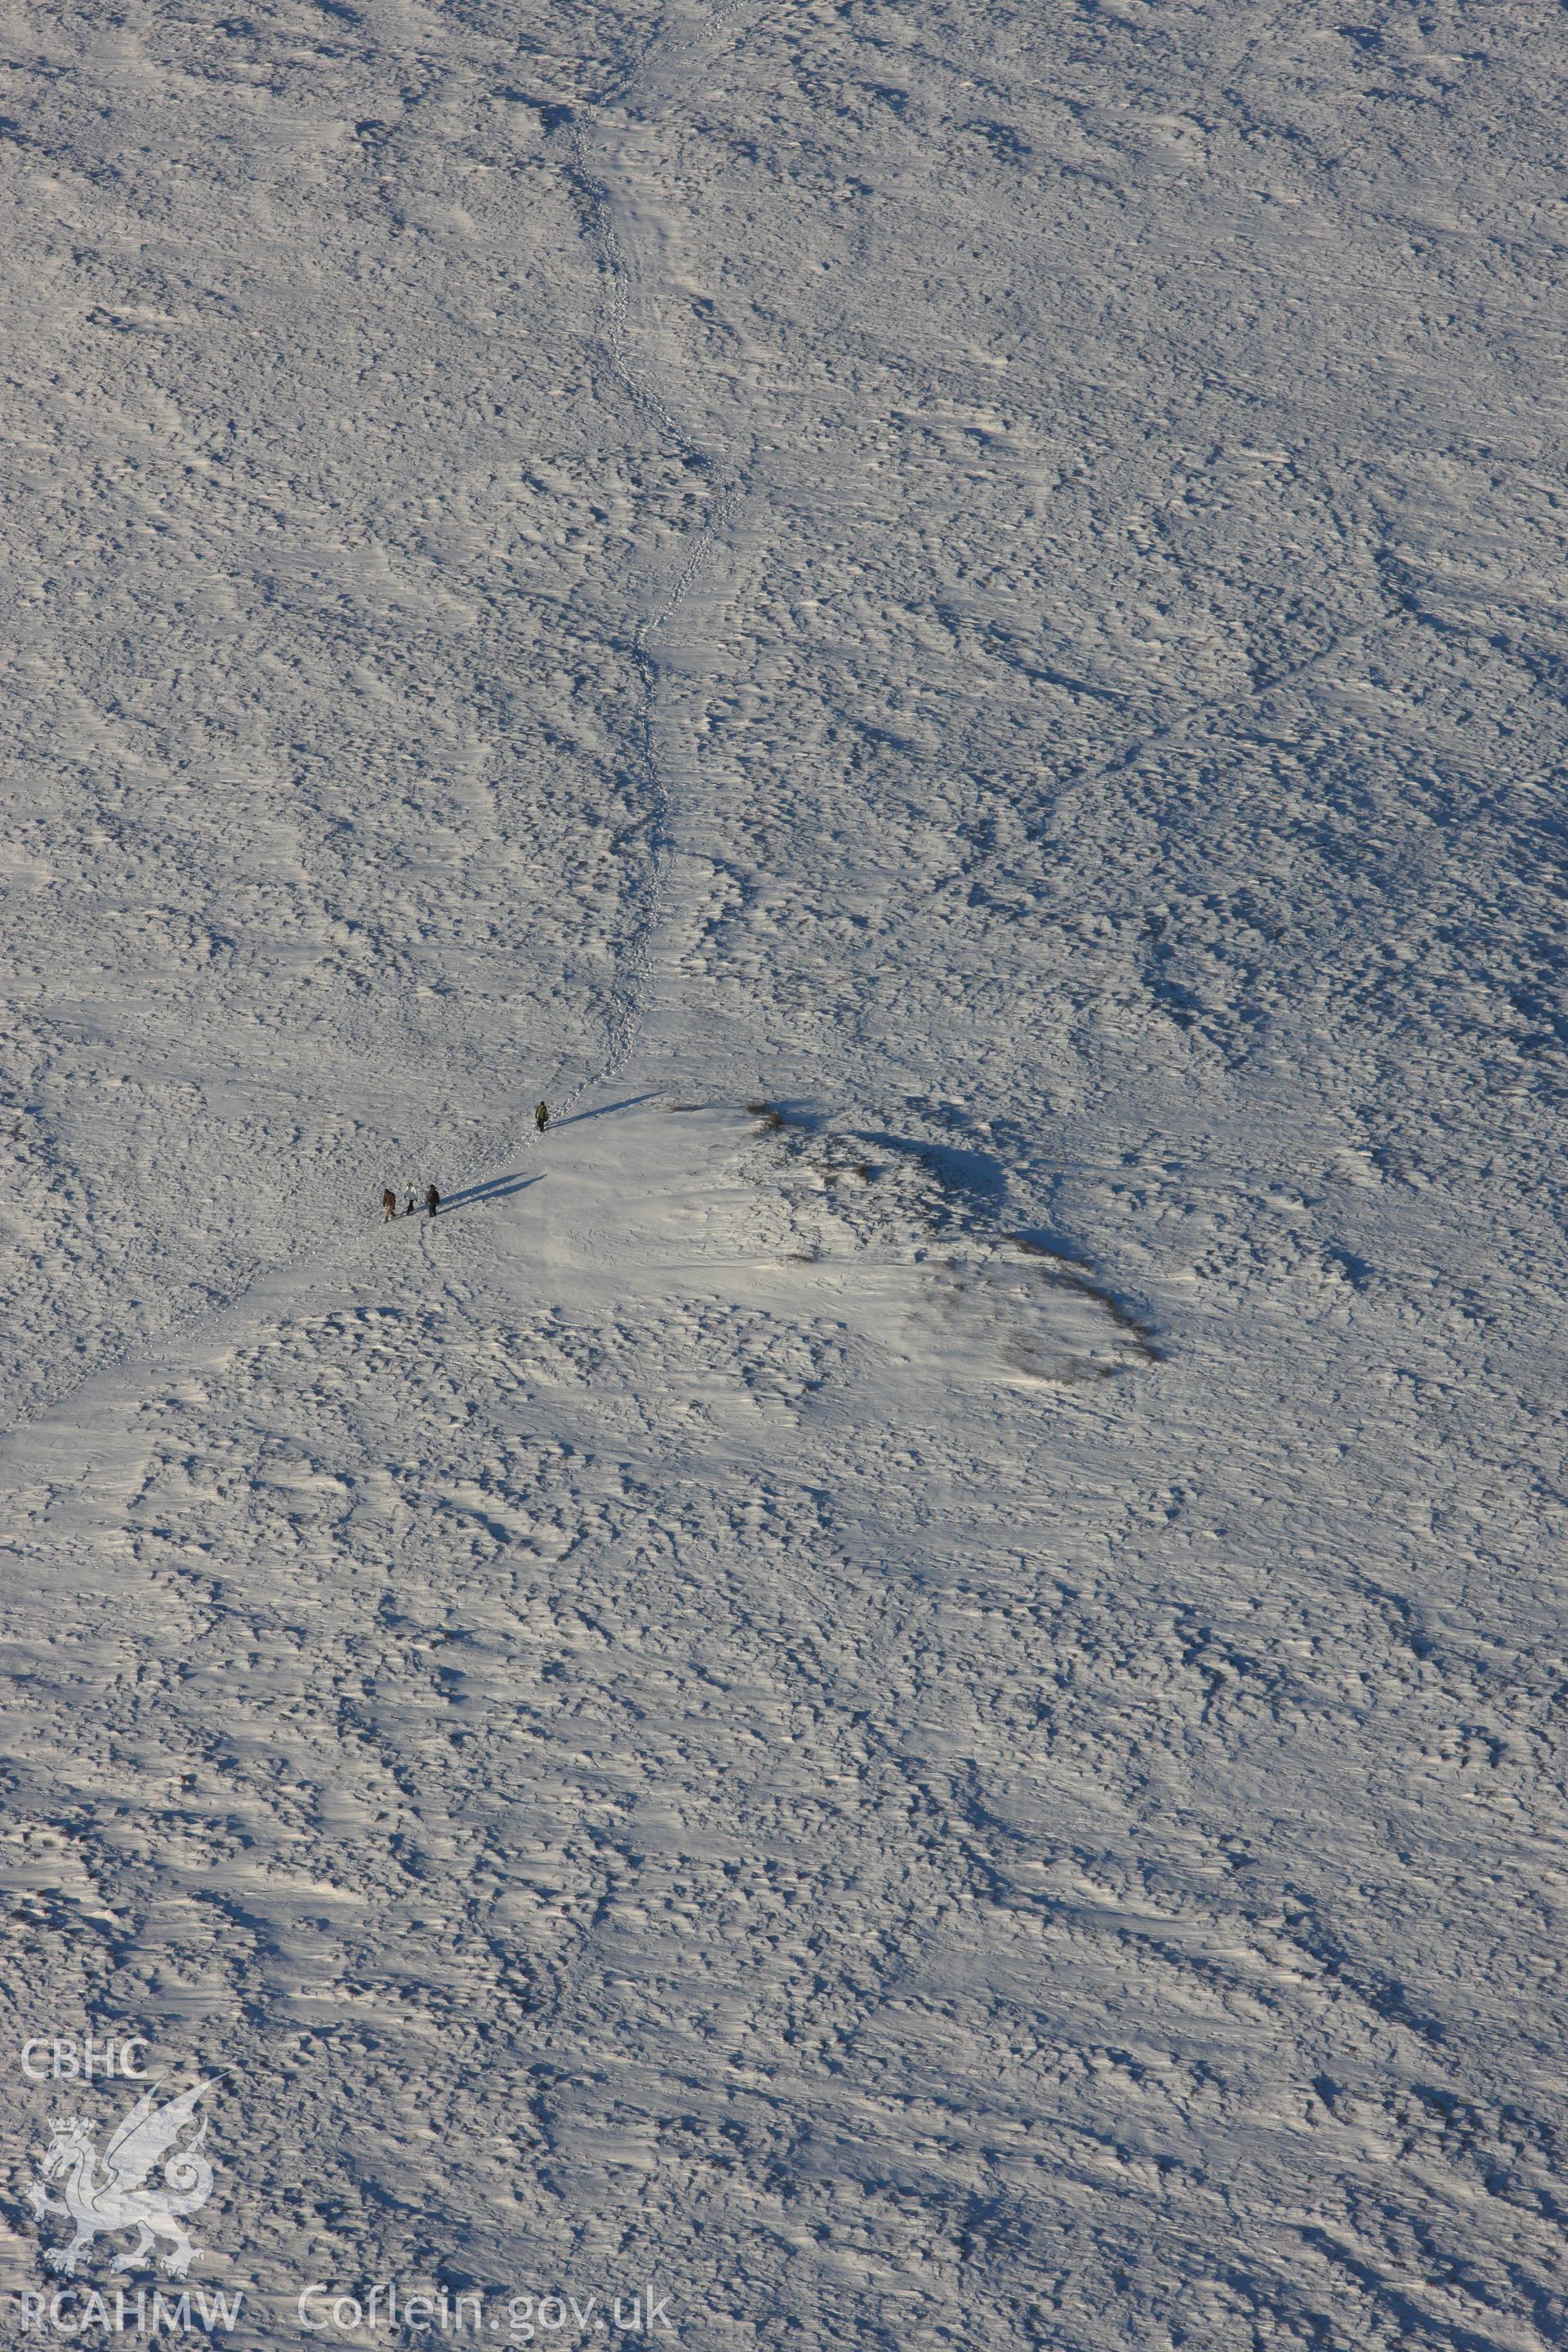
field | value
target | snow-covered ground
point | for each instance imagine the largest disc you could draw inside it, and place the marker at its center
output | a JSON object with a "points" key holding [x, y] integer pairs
{"points": [[908, 1679]]}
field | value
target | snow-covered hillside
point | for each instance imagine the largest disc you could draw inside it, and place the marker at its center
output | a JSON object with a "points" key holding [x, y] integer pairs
{"points": [[904, 1683]]}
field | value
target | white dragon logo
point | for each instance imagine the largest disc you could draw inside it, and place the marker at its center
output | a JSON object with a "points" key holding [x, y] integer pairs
{"points": [[107, 2193]]}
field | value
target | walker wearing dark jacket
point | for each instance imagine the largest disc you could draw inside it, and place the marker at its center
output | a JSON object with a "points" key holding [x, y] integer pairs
{"points": [[432, 1200]]}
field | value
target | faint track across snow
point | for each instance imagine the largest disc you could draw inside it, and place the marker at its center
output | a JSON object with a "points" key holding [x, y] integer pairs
{"points": [[633, 980]]}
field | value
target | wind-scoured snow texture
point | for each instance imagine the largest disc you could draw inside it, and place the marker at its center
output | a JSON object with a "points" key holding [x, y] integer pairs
{"points": [[929, 1712], [320, 511]]}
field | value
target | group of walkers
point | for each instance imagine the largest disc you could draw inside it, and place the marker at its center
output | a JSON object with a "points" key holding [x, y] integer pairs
{"points": [[433, 1198], [389, 1203]]}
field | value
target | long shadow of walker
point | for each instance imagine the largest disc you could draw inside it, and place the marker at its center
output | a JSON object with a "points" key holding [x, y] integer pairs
{"points": [[501, 1187], [627, 1102], [498, 1188]]}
